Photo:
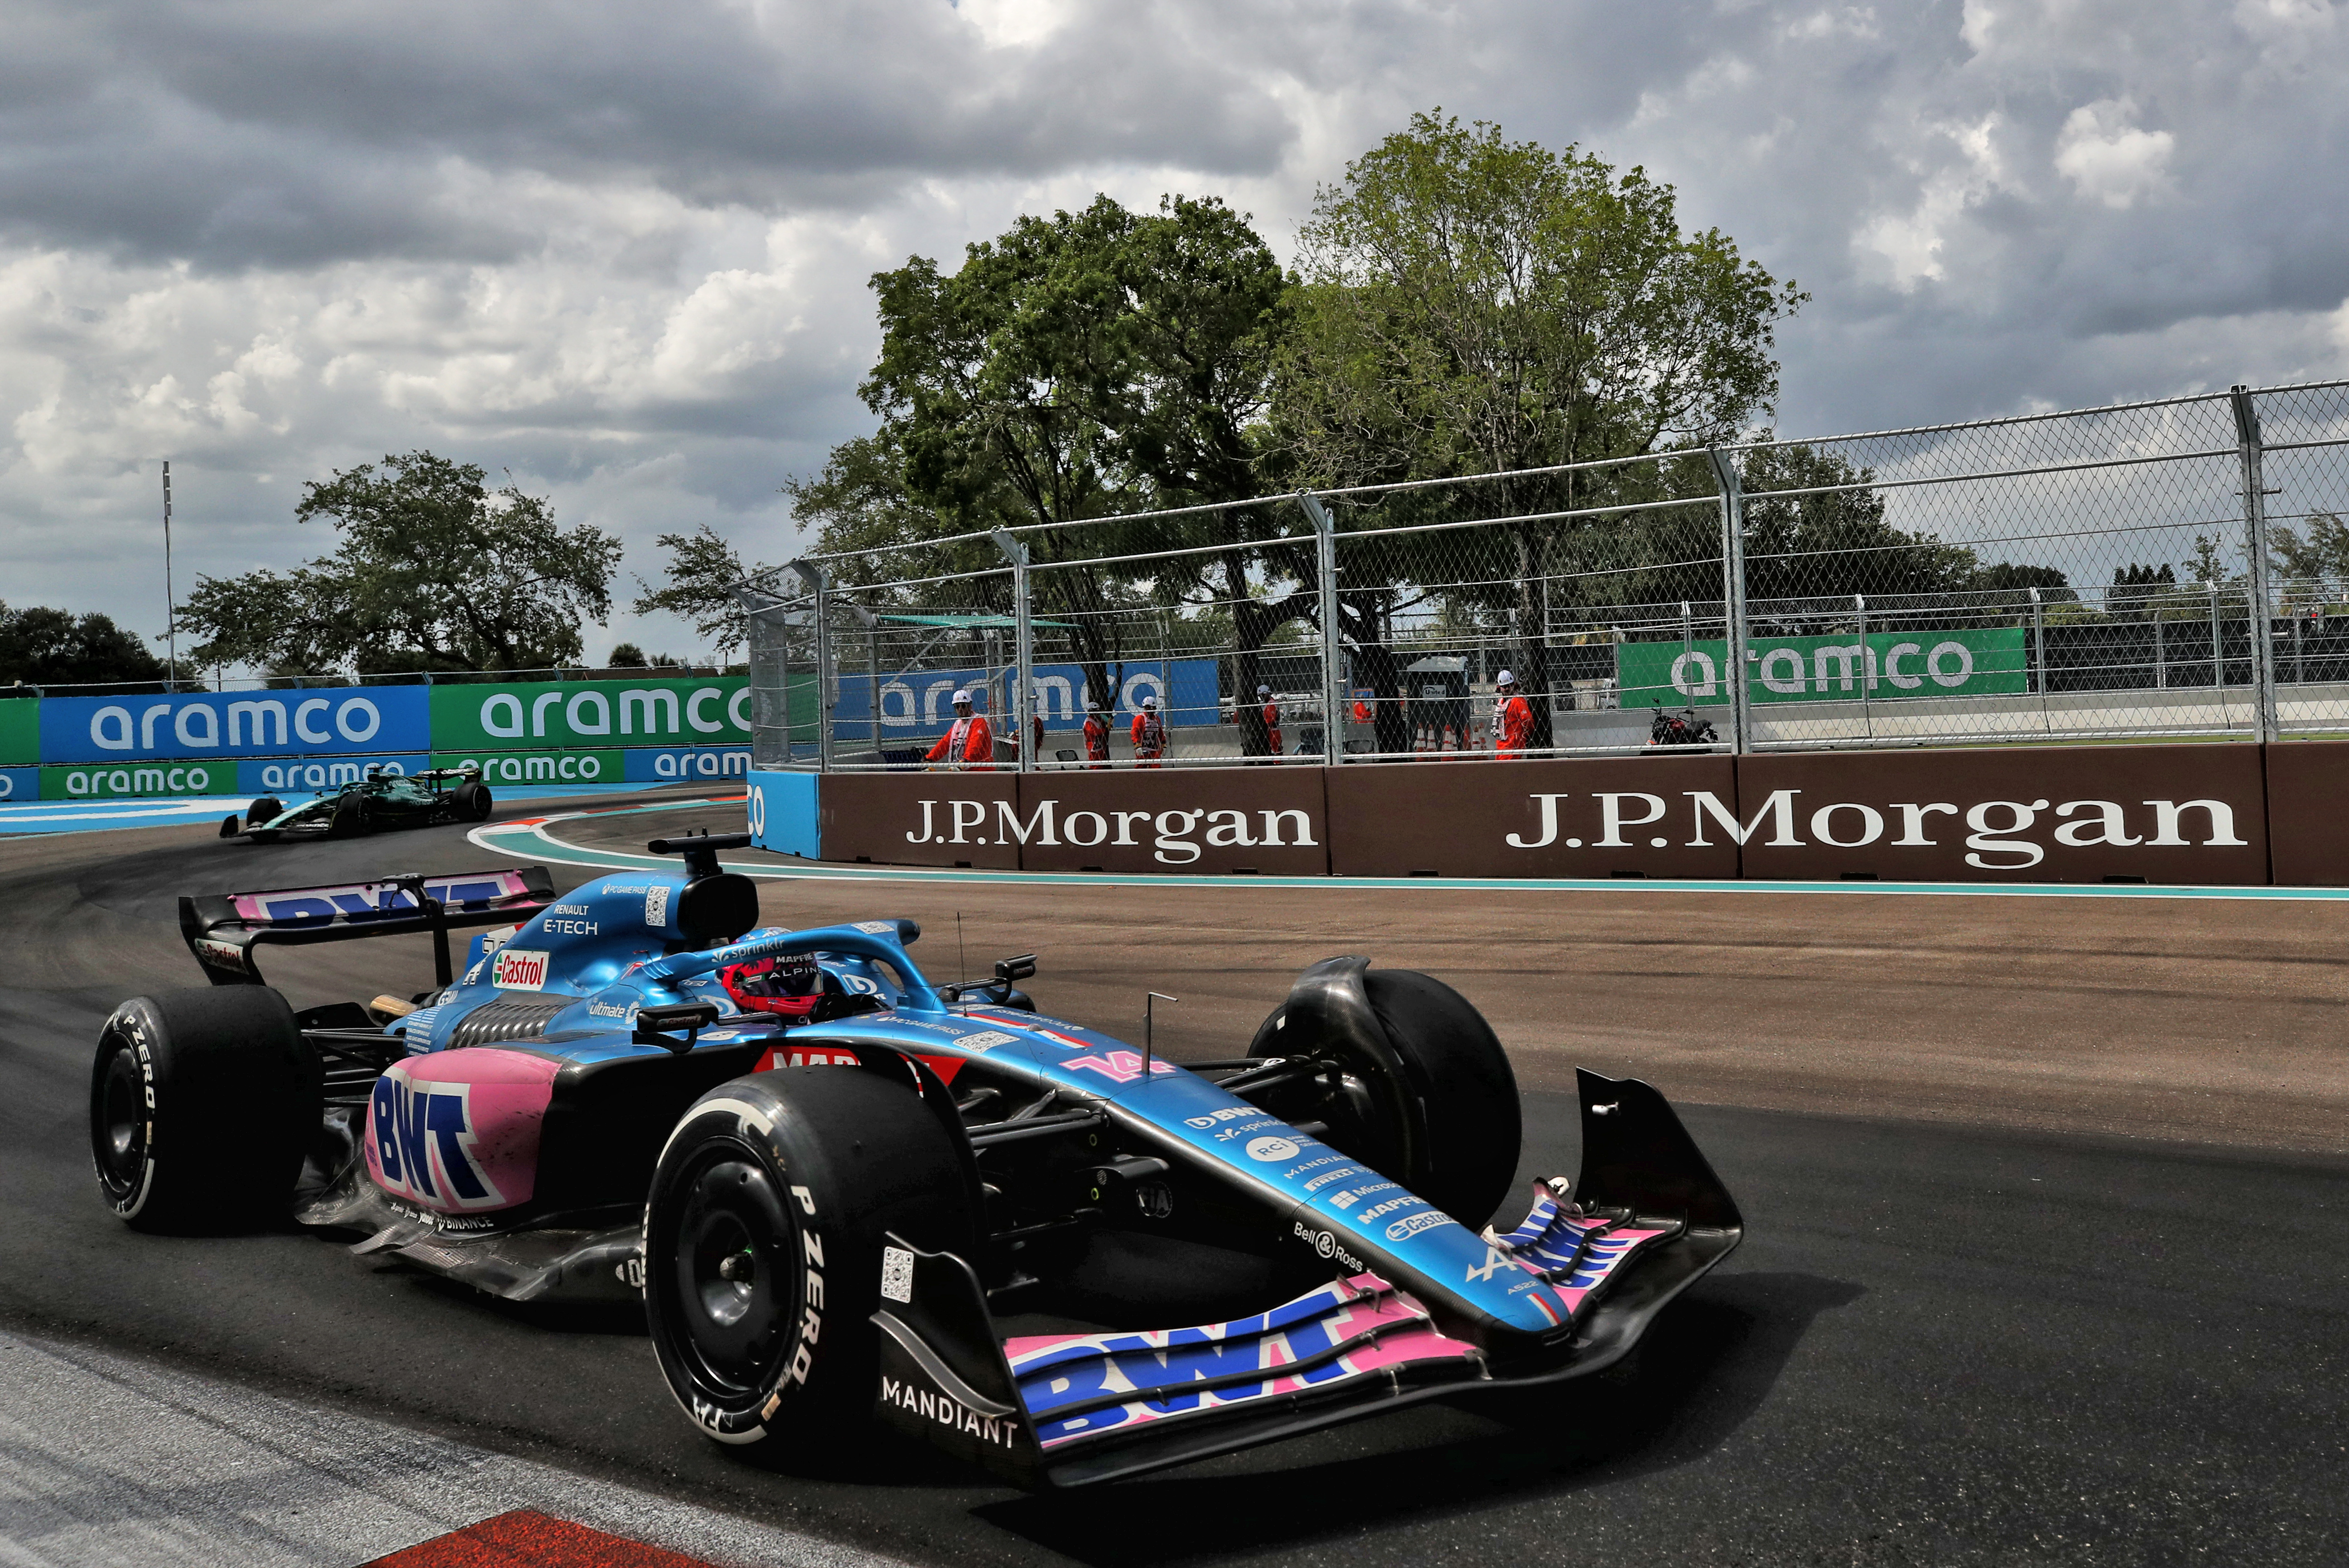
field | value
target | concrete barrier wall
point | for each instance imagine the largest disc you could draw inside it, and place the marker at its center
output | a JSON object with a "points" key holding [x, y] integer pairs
{"points": [[2216, 814]]}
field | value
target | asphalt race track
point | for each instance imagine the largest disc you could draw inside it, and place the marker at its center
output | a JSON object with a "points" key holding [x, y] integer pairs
{"points": [[1972, 1321]]}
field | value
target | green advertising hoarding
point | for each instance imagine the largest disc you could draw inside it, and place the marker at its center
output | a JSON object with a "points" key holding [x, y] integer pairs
{"points": [[20, 731], [132, 780], [563, 715], [1885, 665]]}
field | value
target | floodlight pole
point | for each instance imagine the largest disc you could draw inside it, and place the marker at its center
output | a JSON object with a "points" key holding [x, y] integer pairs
{"points": [[1023, 653], [171, 600]]}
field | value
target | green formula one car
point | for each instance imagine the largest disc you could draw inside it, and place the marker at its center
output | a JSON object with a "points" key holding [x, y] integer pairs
{"points": [[371, 804]]}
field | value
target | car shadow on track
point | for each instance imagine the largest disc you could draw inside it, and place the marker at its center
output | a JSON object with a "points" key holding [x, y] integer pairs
{"points": [[1705, 1366]]}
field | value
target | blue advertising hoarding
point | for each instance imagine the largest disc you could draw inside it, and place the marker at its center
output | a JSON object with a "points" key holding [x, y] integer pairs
{"points": [[918, 702], [200, 726], [20, 784], [782, 813], [687, 765]]}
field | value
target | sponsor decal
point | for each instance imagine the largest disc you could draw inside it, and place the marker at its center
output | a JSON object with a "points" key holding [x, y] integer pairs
{"points": [[228, 955], [896, 1274], [1325, 1243], [657, 904], [711, 710], [1412, 1225], [948, 1412], [1269, 1148], [569, 909], [1227, 1114], [1882, 666], [1495, 1260], [630, 1272], [1121, 1066], [876, 927], [624, 1012], [1343, 1173], [1353, 1194], [362, 901], [987, 1040], [779, 1056], [565, 928], [519, 969], [1171, 840], [1377, 1209], [425, 1143], [1294, 1172], [214, 726]]}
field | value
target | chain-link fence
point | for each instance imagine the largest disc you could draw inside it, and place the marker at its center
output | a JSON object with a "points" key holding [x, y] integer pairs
{"points": [[2177, 568]]}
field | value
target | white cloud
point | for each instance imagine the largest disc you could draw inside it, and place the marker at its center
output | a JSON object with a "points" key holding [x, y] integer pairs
{"points": [[2108, 158]]}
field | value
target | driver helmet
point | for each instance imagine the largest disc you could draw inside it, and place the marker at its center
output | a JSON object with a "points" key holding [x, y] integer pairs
{"points": [[761, 986]]}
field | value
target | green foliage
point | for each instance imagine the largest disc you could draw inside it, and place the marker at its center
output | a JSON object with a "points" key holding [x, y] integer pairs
{"points": [[45, 646], [2314, 568], [434, 571], [626, 656]]}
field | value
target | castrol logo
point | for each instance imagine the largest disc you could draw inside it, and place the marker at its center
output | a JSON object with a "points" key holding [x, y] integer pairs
{"points": [[519, 969]]}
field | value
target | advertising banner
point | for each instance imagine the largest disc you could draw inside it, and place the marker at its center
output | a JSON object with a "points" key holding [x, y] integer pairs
{"points": [[1213, 821], [918, 704], [919, 819], [310, 775], [2018, 813], [2308, 832], [1883, 666], [555, 715], [205, 725], [20, 730], [782, 813], [132, 780], [687, 765], [20, 784], [538, 767], [1600, 816]]}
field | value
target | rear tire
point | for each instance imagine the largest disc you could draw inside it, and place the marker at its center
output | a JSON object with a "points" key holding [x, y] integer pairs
{"points": [[471, 800], [764, 1234], [202, 1104], [1441, 1116]]}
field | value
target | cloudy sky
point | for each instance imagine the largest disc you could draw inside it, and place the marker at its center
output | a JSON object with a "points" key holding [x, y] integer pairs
{"points": [[621, 250]]}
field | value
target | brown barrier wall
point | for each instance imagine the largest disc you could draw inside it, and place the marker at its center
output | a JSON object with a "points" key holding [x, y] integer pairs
{"points": [[1210, 821], [2016, 814], [1546, 818], [2308, 812], [2176, 814], [919, 819]]}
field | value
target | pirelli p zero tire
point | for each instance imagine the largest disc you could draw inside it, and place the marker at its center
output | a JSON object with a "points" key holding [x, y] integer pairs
{"points": [[1433, 1105], [763, 1236], [266, 809], [471, 800], [202, 1104], [350, 820]]}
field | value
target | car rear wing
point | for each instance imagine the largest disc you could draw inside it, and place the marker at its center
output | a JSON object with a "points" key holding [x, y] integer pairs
{"points": [[223, 929]]}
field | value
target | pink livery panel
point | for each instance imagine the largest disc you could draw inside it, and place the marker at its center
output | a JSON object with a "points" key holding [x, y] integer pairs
{"points": [[457, 1131]]}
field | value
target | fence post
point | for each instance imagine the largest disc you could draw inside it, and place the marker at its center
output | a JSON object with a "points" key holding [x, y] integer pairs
{"points": [[819, 582], [1334, 710], [2255, 522], [1023, 649], [1733, 597]]}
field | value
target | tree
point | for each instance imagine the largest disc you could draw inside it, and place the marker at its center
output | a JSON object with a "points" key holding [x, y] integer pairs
{"points": [[45, 646], [626, 656], [1472, 305], [2136, 588], [2314, 568], [435, 571]]}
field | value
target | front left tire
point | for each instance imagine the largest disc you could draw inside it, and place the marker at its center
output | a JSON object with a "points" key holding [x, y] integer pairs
{"points": [[764, 1230]]}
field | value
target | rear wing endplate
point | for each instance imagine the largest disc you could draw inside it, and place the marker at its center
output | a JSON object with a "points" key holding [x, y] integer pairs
{"points": [[223, 929]]}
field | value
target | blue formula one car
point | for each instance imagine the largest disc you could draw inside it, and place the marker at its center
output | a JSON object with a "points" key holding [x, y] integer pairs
{"points": [[847, 1194]]}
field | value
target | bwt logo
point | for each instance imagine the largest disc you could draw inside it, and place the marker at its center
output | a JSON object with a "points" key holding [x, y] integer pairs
{"points": [[424, 1142], [1994, 844], [1171, 842]]}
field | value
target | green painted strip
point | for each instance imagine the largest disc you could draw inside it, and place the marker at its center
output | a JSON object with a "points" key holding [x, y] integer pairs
{"points": [[531, 838]]}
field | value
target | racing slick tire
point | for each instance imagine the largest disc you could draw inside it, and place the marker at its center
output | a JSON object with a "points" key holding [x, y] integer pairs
{"points": [[1434, 1105], [266, 809], [471, 800], [764, 1234], [202, 1104], [351, 820]]}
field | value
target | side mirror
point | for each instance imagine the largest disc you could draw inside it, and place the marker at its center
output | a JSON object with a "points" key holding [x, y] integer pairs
{"points": [[1019, 968], [658, 1025]]}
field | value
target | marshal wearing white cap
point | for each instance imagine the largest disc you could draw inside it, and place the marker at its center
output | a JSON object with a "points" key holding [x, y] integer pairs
{"points": [[1149, 735], [970, 743], [1513, 720]]}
